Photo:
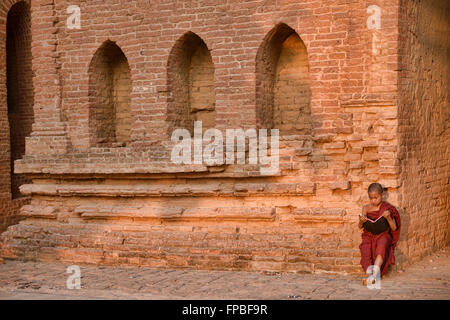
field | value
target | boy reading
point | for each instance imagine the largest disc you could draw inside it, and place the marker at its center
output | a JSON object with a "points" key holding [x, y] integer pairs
{"points": [[381, 224]]}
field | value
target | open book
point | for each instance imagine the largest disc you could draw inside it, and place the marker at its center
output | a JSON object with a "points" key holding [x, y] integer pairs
{"points": [[373, 221], [376, 226]]}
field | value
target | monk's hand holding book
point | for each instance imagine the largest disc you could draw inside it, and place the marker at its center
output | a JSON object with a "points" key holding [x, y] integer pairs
{"points": [[387, 215], [362, 219], [392, 224]]}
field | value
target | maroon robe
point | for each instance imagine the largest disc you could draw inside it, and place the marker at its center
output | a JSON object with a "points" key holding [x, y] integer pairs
{"points": [[380, 244]]}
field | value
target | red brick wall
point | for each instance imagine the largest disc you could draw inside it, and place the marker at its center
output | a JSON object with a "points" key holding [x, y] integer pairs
{"points": [[424, 134], [16, 104], [128, 204]]}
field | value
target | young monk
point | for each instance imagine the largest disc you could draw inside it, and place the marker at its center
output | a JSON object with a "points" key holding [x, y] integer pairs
{"points": [[377, 247]]}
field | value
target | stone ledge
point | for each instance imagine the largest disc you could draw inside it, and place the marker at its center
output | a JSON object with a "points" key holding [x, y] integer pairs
{"points": [[335, 215], [216, 189], [174, 213], [64, 167], [30, 211]]}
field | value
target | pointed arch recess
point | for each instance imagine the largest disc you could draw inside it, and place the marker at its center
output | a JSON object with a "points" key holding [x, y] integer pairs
{"points": [[110, 116], [283, 95], [191, 84]]}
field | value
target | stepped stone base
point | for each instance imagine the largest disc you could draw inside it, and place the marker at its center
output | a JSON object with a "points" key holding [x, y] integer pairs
{"points": [[176, 234]]}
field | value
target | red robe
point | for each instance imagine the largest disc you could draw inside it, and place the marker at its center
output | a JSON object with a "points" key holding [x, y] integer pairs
{"points": [[380, 244]]}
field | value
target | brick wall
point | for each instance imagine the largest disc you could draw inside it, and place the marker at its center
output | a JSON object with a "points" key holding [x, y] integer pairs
{"points": [[424, 133], [16, 104], [312, 69]]}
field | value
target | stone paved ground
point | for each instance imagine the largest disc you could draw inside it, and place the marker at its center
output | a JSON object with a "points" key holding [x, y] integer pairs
{"points": [[428, 279]]}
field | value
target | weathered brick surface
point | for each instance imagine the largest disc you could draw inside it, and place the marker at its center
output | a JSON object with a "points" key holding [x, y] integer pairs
{"points": [[424, 135], [108, 96], [16, 104]]}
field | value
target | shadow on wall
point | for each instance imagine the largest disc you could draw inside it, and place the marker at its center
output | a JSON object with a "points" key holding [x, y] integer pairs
{"points": [[19, 84], [401, 251]]}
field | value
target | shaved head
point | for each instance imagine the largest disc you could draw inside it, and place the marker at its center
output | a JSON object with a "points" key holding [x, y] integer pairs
{"points": [[376, 187]]}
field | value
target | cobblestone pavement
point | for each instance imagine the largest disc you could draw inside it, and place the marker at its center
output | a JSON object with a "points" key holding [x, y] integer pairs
{"points": [[427, 279]]}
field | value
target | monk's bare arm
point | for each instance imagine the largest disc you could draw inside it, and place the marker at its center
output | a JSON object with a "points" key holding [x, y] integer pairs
{"points": [[390, 220]]}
